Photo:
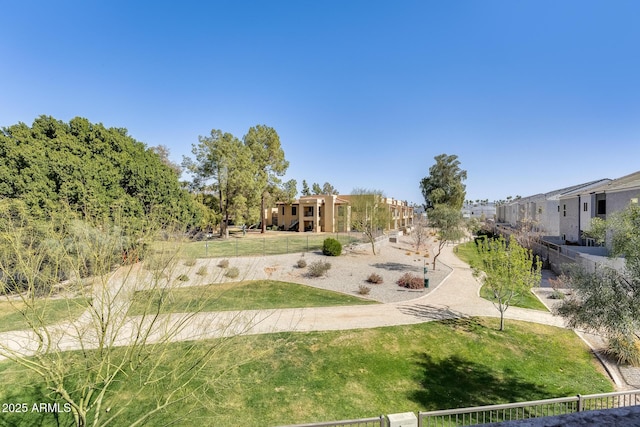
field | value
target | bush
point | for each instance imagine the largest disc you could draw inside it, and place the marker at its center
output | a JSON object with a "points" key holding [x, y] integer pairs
{"points": [[624, 349], [374, 278], [190, 262], [556, 294], [411, 281], [223, 263], [232, 272], [302, 263], [331, 247], [202, 271], [318, 268], [364, 290], [183, 277]]}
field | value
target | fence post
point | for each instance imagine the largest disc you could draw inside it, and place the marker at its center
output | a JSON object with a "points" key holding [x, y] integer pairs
{"points": [[580, 403], [236, 247]]}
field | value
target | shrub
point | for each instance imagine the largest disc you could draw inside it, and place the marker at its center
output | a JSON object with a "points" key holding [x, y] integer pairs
{"points": [[302, 263], [232, 272], [223, 263], [190, 262], [624, 349], [318, 268], [556, 294], [411, 281], [202, 271], [364, 290], [374, 278], [331, 247], [183, 277]]}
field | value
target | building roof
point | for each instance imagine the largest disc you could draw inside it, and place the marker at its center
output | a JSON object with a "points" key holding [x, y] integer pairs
{"points": [[588, 187], [627, 182]]}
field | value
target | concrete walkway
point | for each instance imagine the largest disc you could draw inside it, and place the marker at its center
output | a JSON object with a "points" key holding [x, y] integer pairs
{"points": [[457, 295]]}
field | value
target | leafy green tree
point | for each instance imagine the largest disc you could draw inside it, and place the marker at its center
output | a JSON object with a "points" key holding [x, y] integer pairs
{"points": [[597, 230], [102, 172], [368, 215], [223, 164], [316, 189], [447, 222], [444, 185], [305, 188], [268, 159], [508, 271], [288, 191], [607, 300], [444, 194], [329, 189]]}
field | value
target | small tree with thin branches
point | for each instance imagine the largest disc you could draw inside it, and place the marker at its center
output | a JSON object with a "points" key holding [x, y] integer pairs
{"points": [[508, 271], [113, 295]]}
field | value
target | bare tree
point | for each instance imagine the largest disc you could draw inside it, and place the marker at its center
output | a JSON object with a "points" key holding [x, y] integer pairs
{"points": [[419, 233], [368, 214], [114, 313]]}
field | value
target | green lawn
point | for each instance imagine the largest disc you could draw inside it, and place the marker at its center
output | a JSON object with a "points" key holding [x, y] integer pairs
{"points": [[44, 312], [468, 253], [276, 244], [323, 376], [247, 295]]}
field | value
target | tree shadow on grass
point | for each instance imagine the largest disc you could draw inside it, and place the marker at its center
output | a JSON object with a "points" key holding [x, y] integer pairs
{"points": [[394, 266], [430, 312], [32, 396], [458, 383]]}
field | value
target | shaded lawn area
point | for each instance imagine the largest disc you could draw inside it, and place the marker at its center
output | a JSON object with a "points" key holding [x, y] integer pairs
{"points": [[48, 311], [468, 253], [325, 376], [246, 295]]}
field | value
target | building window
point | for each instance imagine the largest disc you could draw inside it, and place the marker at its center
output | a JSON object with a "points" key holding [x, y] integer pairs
{"points": [[283, 210], [294, 210], [564, 210], [602, 207], [585, 207], [558, 208]]}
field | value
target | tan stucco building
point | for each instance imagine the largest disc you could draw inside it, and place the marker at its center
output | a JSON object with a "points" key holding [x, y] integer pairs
{"points": [[321, 213], [332, 214]]}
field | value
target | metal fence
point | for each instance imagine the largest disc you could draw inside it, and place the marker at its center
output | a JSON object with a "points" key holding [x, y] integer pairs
{"points": [[275, 245], [527, 410]]}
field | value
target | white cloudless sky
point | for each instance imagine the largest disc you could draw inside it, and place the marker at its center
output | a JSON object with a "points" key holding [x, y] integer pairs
{"points": [[531, 95]]}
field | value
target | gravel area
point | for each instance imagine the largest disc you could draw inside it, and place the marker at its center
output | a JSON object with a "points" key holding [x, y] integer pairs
{"points": [[347, 273]]}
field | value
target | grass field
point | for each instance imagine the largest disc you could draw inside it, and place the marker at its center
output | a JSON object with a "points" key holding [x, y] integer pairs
{"points": [[48, 311], [469, 254], [324, 376], [275, 244], [247, 295]]}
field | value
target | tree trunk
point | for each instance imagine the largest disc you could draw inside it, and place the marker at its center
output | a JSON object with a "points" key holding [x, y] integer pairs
{"points": [[262, 222]]}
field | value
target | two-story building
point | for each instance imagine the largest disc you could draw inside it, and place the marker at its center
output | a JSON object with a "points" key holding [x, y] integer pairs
{"points": [[577, 208], [331, 213]]}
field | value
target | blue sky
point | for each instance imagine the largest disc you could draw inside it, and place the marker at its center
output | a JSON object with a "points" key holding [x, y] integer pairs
{"points": [[531, 95]]}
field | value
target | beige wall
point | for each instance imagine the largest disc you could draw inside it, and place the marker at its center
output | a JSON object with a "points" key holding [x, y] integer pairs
{"points": [[323, 213]]}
